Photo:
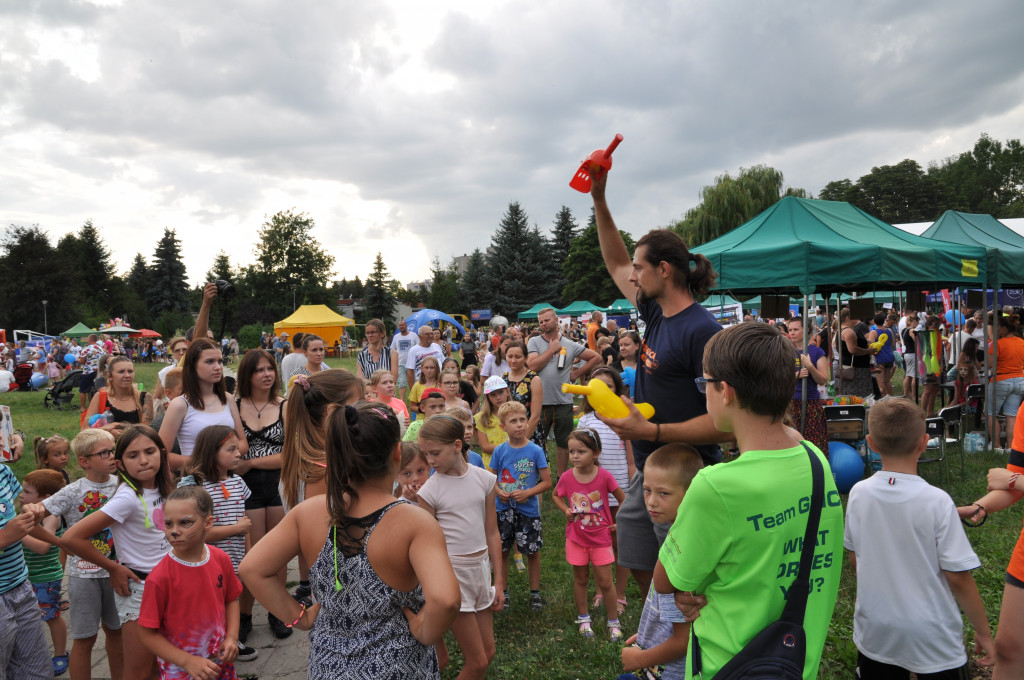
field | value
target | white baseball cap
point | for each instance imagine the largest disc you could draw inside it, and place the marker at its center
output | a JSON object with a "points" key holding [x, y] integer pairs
{"points": [[494, 383]]}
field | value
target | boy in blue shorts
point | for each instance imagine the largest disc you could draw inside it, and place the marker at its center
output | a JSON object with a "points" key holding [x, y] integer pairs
{"points": [[913, 561], [522, 470], [658, 650]]}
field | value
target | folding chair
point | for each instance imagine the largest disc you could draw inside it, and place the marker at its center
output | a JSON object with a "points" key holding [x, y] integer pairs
{"points": [[846, 423], [951, 417], [938, 428], [976, 393]]}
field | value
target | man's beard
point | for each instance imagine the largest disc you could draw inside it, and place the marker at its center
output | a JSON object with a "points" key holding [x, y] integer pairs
{"points": [[643, 298]]}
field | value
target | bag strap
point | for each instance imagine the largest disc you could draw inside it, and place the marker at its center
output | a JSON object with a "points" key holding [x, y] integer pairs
{"points": [[796, 601]]}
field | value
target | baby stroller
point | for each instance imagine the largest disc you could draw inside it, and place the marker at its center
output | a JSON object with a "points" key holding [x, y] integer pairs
{"points": [[60, 393], [23, 377]]}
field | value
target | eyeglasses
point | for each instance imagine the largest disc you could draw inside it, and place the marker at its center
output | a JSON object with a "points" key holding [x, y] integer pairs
{"points": [[104, 454], [449, 382], [702, 383]]}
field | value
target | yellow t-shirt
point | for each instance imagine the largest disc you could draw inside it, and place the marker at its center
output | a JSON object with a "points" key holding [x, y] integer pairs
{"points": [[417, 391], [495, 435]]}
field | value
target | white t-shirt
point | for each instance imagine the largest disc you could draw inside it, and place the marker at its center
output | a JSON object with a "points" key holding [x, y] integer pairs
{"points": [[417, 353], [905, 533], [290, 364], [138, 547], [6, 380], [403, 343], [491, 367], [78, 500], [460, 507]]}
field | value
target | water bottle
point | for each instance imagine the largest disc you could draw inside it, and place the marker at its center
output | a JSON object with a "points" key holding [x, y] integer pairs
{"points": [[108, 417], [561, 358]]}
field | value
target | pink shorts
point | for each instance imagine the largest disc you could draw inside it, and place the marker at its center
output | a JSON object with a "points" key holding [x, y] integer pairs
{"points": [[580, 556]]}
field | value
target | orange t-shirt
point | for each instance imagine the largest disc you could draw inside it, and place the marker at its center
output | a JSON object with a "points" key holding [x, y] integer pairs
{"points": [[592, 336], [1010, 363]]}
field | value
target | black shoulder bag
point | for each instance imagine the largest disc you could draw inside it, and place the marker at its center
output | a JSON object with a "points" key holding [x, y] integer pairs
{"points": [[778, 652]]}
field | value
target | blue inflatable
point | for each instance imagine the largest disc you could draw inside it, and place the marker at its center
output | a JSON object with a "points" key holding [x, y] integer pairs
{"points": [[69, 358], [847, 465], [39, 380]]}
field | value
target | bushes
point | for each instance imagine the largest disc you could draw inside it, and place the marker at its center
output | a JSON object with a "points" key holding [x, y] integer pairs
{"points": [[249, 336]]}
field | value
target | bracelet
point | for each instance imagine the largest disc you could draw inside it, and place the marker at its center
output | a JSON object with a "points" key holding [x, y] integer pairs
{"points": [[301, 614], [1013, 480]]}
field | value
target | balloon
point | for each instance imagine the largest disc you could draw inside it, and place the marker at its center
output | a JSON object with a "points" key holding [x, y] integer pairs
{"points": [[39, 380], [847, 465], [69, 358], [955, 317]]}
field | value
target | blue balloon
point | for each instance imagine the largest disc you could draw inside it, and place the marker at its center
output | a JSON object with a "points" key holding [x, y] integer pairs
{"points": [[39, 380], [847, 465], [69, 358], [955, 317]]}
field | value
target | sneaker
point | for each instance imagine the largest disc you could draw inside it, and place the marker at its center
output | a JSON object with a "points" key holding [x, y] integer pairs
{"points": [[614, 632], [536, 603], [246, 653], [506, 605], [304, 595], [277, 627], [584, 625], [244, 627]]}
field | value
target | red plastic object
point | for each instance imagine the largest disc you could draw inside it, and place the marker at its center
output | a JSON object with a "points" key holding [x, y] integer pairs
{"points": [[595, 165]]}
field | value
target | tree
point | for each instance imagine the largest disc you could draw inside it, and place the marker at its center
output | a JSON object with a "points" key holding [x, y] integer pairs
{"points": [[444, 287], [136, 283], [473, 284], [562, 236], [988, 179], [223, 311], [33, 271], [586, 276], [346, 289], [840, 190], [168, 290], [290, 264], [730, 202], [99, 292], [901, 193], [378, 298], [518, 266]]}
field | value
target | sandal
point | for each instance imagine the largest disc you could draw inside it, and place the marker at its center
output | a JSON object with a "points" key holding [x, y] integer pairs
{"points": [[584, 625], [621, 605], [614, 631], [598, 599], [60, 664]]}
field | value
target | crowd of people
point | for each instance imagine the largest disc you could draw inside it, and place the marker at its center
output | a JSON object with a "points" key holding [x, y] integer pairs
{"points": [[409, 488]]}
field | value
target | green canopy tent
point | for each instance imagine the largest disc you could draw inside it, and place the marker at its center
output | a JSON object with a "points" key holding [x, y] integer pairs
{"points": [[805, 246], [79, 330], [579, 308], [531, 313], [621, 306], [1004, 246]]}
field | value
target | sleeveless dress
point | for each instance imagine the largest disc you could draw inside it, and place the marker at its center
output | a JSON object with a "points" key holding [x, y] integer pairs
{"points": [[263, 442], [520, 391], [195, 422], [361, 631]]}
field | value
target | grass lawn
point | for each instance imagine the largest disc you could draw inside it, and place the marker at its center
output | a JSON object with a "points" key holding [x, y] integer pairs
{"points": [[546, 643]]}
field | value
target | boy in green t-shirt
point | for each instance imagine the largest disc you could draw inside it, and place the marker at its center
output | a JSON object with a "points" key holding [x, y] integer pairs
{"points": [[734, 550]]}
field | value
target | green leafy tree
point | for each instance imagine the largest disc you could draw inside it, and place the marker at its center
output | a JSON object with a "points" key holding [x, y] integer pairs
{"points": [[518, 266], [730, 202], [290, 265], [563, 233], [444, 288], [100, 292], [839, 190], [586, 276], [168, 289], [989, 179], [379, 301], [136, 283], [473, 284], [33, 271], [901, 193], [349, 289]]}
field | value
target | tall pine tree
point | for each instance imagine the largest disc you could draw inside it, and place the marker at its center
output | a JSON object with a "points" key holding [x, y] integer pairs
{"points": [[562, 235], [474, 289], [519, 270], [378, 299], [168, 289]]}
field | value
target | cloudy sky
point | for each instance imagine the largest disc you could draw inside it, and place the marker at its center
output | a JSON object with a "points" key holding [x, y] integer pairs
{"points": [[407, 126]]}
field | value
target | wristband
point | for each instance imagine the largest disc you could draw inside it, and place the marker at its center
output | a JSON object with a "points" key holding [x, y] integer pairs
{"points": [[302, 613]]}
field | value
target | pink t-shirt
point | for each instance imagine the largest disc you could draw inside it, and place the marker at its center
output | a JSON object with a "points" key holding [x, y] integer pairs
{"points": [[187, 603], [592, 520], [399, 407]]}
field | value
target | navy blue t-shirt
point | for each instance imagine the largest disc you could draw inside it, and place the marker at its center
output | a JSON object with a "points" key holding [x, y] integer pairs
{"points": [[671, 356]]}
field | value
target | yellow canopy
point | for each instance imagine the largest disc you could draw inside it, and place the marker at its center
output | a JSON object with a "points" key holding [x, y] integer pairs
{"points": [[318, 319]]}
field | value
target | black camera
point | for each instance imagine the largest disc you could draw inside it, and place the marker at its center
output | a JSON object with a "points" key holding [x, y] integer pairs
{"points": [[225, 289]]}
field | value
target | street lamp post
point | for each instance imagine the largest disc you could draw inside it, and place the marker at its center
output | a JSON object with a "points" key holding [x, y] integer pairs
{"points": [[46, 328], [293, 298]]}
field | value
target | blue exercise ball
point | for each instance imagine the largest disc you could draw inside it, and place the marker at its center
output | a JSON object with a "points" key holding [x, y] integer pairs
{"points": [[39, 380], [69, 358], [847, 465]]}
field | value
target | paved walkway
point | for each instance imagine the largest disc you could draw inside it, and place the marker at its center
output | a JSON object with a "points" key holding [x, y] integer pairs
{"points": [[279, 659]]}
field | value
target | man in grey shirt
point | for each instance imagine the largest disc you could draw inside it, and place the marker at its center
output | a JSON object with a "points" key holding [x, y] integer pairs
{"points": [[545, 356]]}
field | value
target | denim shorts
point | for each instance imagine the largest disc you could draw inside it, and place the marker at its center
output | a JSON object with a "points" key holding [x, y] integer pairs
{"points": [[1009, 393], [48, 597]]}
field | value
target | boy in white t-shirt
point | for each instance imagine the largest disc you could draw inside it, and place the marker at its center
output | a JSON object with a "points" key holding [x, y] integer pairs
{"points": [[913, 561]]}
